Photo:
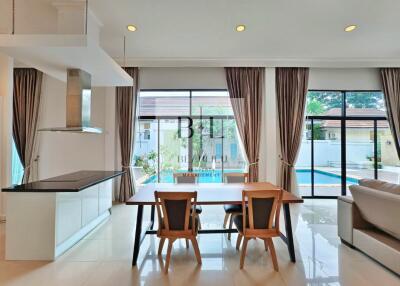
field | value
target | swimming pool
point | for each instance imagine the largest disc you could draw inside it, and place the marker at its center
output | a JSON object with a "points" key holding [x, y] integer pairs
{"points": [[303, 177], [321, 178]]}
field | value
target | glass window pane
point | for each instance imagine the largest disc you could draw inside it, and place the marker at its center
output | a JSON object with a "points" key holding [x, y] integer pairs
{"points": [[207, 149], [327, 158], [164, 103], [324, 103], [233, 157], [388, 161], [211, 103], [145, 154], [365, 103], [360, 156], [17, 171], [174, 144], [210, 146], [303, 163]]}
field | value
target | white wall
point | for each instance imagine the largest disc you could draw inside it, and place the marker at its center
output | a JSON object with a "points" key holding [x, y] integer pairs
{"points": [[6, 90], [182, 78], [345, 79], [29, 17], [268, 143], [326, 151], [61, 152]]}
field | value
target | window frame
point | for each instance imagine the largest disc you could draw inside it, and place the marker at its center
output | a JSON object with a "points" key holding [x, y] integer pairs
{"points": [[158, 118], [343, 119]]}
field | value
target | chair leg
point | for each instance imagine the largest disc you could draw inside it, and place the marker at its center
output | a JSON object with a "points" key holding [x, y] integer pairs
{"points": [[161, 245], [273, 254], [230, 226], [198, 218], [266, 244], [225, 220], [243, 254], [196, 249], [238, 241], [167, 259], [187, 243]]}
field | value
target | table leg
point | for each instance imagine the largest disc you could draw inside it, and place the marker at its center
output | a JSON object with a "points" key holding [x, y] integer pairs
{"points": [[138, 233], [289, 232], [153, 208]]}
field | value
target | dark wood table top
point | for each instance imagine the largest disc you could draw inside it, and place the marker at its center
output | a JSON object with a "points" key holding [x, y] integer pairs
{"points": [[207, 193], [73, 182]]}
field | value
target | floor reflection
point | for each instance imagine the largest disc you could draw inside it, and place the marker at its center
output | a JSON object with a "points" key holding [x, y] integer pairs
{"points": [[104, 257]]}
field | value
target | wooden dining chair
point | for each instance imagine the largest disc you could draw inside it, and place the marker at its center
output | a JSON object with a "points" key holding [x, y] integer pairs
{"points": [[176, 220], [232, 210], [259, 220], [189, 178]]}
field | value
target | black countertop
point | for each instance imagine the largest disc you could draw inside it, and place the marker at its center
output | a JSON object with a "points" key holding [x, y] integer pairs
{"points": [[73, 182]]}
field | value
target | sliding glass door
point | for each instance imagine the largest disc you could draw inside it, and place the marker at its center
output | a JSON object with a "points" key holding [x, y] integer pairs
{"points": [[186, 131], [346, 138]]}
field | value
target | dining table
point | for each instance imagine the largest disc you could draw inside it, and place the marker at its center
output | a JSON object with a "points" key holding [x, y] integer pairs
{"points": [[207, 194]]}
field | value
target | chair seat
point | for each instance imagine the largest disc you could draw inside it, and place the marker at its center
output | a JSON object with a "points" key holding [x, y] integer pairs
{"points": [[233, 209]]}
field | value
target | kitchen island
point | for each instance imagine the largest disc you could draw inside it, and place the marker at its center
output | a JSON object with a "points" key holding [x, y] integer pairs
{"points": [[47, 217]]}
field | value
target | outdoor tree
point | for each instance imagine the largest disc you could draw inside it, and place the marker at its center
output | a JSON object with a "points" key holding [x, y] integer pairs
{"points": [[318, 102]]}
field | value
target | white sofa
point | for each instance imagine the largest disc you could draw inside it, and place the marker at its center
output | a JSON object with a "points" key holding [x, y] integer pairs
{"points": [[370, 221]]}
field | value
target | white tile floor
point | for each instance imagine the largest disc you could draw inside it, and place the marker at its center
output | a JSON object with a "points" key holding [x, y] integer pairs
{"points": [[104, 257]]}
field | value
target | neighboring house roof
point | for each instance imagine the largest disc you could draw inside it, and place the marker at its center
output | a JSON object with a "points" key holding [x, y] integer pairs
{"points": [[355, 123], [355, 112]]}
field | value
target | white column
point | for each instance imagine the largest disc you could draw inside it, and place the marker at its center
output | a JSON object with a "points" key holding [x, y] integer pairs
{"points": [[269, 144], [110, 130], [111, 150], [6, 95]]}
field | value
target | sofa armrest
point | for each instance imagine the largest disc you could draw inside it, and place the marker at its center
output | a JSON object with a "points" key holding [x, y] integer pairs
{"points": [[349, 217]]}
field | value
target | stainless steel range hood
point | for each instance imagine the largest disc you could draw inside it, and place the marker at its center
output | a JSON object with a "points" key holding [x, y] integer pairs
{"points": [[78, 104]]}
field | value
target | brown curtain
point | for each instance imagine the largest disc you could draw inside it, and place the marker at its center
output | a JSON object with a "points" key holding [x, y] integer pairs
{"points": [[26, 101], [126, 99], [291, 92], [391, 89], [245, 86]]}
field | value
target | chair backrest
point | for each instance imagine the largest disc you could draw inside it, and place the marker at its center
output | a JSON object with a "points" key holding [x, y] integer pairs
{"points": [[232, 178], [263, 212], [174, 211], [186, 178]]}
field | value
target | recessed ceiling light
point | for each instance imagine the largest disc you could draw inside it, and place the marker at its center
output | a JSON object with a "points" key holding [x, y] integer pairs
{"points": [[131, 28], [350, 28], [240, 28]]}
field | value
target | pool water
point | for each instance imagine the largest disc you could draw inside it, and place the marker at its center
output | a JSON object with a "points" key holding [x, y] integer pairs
{"points": [[303, 177], [321, 178]]}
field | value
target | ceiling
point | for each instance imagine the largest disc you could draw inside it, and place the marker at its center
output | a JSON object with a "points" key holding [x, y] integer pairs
{"points": [[284, 32]]}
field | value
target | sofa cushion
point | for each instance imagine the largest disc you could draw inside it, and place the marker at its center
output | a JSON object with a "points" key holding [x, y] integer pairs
{"points": [[381, 209], [380, 185]]}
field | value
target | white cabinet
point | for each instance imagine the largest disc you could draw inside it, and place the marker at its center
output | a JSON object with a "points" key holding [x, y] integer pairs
{"points": [[41, 226], [90, 204], [68, 215], [105, 196]]}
